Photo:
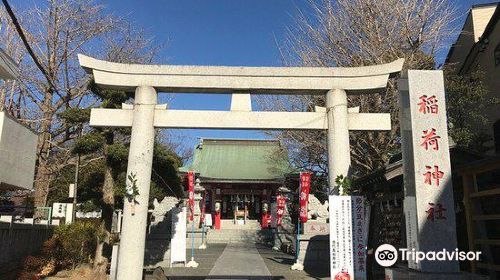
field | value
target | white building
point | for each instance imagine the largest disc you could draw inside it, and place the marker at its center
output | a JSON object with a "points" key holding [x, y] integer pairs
{"points": [[17, 142], [478, 47], [8, 68]]}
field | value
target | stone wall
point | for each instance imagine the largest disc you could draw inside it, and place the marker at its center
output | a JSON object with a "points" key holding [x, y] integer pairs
{"points": [[18, 240], [314, 250], [157, 249], [314, 244]]}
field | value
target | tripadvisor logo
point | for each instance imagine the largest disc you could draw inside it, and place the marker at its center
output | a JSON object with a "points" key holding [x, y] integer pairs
{"points": [[386, 255]]}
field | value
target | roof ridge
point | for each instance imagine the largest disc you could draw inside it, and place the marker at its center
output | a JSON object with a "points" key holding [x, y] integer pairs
{"points": [[239, 139], [484, 5]]}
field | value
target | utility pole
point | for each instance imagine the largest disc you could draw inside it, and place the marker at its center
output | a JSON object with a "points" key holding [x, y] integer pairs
{"points": [[77, 171]]}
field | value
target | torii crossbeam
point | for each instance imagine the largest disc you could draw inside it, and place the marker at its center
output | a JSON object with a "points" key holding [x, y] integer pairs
{"points": [[241, 82], [238, 119]]}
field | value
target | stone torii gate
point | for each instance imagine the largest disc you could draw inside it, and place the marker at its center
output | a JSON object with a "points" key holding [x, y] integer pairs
{"points": [[146, 115]]}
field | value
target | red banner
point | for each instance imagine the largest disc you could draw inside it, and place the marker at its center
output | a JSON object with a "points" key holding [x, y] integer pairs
{"points": [[281, 209], [202, 218], [191, 194], [305, 185]]}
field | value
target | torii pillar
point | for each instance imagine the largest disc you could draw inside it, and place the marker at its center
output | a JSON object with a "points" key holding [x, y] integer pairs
{"points": [[140, 161], [339, 153]]}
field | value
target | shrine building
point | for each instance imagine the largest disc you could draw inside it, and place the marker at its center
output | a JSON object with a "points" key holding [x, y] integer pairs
{"points": [[241, 177]]}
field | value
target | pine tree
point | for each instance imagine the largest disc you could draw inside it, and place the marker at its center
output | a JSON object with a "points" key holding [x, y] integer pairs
{"points": [[106, 154]]}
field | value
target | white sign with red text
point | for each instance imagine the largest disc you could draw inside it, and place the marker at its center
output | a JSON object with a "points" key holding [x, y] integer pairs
{"points": [[347, 227]]}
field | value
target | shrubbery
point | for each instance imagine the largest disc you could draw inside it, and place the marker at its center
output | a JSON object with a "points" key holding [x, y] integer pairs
{"points": [[78, 242], [70, 246]]}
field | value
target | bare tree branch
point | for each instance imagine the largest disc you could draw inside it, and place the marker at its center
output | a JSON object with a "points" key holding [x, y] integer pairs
{"points": [[351, 33]]}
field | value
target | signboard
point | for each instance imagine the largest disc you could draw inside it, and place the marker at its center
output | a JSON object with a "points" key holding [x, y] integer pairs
{"points": [[58, 210], [305, 184], [208, 220], [428, 203], [316, 228], [191, 194], [347, 226], [178, 238], [72, 191]]}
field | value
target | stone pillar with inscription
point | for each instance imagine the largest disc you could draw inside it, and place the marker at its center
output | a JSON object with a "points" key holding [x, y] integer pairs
{"points": [[429, 206]]}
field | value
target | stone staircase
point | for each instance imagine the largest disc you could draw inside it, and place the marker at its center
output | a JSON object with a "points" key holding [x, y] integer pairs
{"points": [[241, 235], [238, 236], [251, 232], [229, 233], [250, 225]]}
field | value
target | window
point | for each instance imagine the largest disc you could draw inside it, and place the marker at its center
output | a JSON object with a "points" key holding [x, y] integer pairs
{"points": [[497, 55]]}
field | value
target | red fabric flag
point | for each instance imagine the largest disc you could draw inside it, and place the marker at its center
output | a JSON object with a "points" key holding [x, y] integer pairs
{"points": [[281, 209], [203, 208], [305, 185], [191, 194]]}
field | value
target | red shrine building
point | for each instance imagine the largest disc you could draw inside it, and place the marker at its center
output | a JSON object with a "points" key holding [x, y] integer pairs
{"points": [[241, 177]]}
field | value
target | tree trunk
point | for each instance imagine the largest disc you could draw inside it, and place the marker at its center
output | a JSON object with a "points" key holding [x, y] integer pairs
{"points": [[43, 174], [3, 92], [104, 248]]}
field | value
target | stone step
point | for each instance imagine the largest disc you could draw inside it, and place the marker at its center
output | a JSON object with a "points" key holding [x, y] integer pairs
{"points": [[219, 236], [248, 240], [250, 224], [239, 236]]}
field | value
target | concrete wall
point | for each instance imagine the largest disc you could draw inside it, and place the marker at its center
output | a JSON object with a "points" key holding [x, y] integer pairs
{"points": [[462, 46], [481, 17], [473, 29], [18, 240], [17, 153]]}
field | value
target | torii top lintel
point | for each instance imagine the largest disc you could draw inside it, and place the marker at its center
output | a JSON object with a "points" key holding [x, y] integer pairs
{"points": [[228, 79]]}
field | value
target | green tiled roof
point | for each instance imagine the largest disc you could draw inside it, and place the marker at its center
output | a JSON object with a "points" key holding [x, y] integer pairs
{"points": [[239, 160]]}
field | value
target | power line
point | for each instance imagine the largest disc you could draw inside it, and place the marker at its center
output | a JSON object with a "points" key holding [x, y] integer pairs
{"points": [[27, 45]]}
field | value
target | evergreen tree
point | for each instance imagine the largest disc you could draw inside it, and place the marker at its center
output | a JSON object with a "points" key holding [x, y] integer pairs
{"points": [[103, 172], [467, 100]]}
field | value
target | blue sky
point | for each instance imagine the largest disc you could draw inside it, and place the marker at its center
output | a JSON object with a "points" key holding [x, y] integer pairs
{"points": [[218, 32]]}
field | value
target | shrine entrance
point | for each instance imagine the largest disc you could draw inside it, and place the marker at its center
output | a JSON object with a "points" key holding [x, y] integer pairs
{"points": [[335, 118], [241, 176], [240, 207]]}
